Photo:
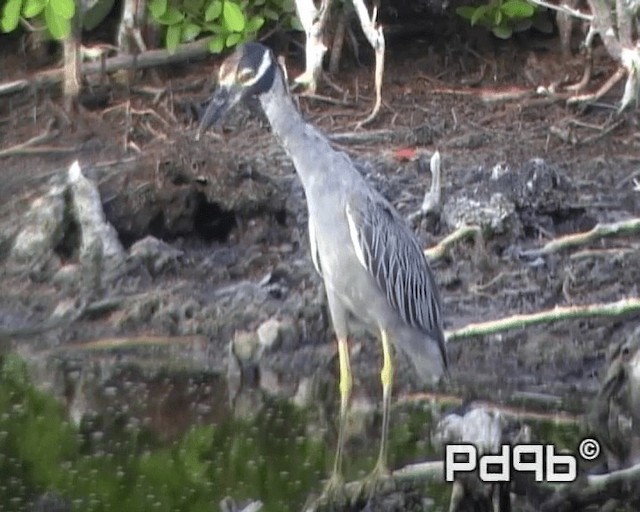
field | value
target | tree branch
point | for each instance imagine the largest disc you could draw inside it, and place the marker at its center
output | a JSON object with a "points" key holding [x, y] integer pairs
{"points": [[612, 309], [621, 228], [151, 58]]}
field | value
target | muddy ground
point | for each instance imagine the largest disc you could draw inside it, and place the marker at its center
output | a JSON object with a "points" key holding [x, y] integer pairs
{"points": [[233, 215]]}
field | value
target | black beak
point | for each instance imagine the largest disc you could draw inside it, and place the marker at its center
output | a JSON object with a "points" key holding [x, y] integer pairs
{"points": [[220, 103]]}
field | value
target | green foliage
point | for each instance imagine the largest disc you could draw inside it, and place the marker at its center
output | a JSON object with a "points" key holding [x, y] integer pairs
{"points": [[502, 17], [57, 15], [230, 22]]}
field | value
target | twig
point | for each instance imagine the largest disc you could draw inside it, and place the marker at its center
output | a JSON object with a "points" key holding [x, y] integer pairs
{"points": [[438, 251], [327, 99], [129, 343], [20, 149], [604, 89], [621, 228], [565, 9], [612, 309], [508, 411], [151, 58], [372, 136]]}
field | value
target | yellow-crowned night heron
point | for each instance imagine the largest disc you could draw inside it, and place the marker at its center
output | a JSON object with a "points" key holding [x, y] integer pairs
{"points": [[371, 263]]}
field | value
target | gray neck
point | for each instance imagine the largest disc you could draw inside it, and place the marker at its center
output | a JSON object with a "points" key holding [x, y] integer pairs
{"points": [[306, 147]]}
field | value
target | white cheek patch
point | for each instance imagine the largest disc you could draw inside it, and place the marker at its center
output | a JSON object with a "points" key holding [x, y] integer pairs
{"points": [[262, 69], [225, 78]]}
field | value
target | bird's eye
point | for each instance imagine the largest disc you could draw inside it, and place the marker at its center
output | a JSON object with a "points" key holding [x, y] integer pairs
{"points": [[245, 75]]}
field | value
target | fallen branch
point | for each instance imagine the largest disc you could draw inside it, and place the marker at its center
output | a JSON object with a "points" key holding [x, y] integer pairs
{"points": [[130, 342], [631, 474], [621, 228], [438, 251], [27, 146], [151, 58], [604, 89], [612, 309]]}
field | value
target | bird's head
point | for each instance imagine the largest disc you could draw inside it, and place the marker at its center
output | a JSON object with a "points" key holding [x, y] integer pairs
{"points": [[248, 72]]}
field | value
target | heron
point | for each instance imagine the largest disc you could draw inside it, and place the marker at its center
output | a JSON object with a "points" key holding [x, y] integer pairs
{"points": [[373, 267]]}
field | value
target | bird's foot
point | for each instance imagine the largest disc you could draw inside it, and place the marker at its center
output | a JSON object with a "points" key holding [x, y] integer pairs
{"points": [[333, 496], [379, 481]]}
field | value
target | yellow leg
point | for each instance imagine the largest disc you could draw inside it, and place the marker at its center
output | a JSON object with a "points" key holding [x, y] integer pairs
{"points": [[345, 393], [386, 375]]}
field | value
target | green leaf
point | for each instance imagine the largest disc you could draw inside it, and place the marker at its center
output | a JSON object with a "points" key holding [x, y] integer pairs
{"points": [[216, 44], [254, 24], [58, 26], [194, 6], [190, 31], [31, 8], [213, 11], [10, 15], [267, 12], [517, 9], [233, 16], [480, 13], [172, 16], [466, 11], [233, 39], [158, 8], [63, 8], [503, 32], [215, 28], [174, 32]]}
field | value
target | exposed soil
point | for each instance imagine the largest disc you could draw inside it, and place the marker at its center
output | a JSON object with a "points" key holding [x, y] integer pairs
{"points": [[234, 210]]}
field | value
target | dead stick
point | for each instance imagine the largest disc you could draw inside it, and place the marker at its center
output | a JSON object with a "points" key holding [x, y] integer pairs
{"points": [[151, 58], [130, 342], [621, 228], [39, 150], [438, 251], [18, 149], [611, 309]]}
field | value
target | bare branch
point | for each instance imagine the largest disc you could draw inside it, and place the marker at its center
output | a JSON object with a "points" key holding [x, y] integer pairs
{"points": [[612, 309], [564, 9], [621, 228], [438, 251], [151, 58]]}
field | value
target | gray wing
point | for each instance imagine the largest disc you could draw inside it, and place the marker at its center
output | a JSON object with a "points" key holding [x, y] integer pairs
{"points": [[389, 251]]}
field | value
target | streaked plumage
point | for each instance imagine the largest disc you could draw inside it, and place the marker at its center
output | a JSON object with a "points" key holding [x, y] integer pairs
{"points": [[371, 263]]}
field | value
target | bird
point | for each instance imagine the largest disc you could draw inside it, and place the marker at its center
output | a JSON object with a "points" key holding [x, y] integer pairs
{"points": [[373, 268]]}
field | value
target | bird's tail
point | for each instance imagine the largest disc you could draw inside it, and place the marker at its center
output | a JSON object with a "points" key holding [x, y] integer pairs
{"points": [[428, 357]]}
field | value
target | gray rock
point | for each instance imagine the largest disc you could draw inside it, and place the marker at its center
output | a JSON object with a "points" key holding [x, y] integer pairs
{"points": [[155, 254], [495, 215], [96, 232], [67, 277], [43, 228]]}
